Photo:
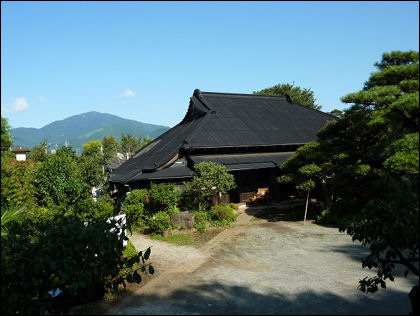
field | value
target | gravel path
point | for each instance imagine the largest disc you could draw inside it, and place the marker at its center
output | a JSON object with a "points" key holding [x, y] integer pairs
{"points": [[262, 267]]}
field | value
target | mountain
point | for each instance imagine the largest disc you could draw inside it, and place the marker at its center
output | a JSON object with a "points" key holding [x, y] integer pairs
{"points": [[79, 129]]}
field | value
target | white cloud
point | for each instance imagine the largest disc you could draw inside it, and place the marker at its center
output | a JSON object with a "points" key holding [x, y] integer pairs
{"points": [[128, 94], [42, 99], [18, 104]]}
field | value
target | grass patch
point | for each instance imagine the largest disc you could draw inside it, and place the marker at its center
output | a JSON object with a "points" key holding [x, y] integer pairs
{"points": [[193, 238], [180, 240]]}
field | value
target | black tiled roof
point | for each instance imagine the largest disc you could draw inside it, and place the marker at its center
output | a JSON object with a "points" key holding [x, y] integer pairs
{"points": [[174, 171], [274, 157], [217, 120]]}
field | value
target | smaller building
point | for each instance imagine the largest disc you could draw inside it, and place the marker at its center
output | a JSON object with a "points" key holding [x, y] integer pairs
{"points": [[20, 153]]}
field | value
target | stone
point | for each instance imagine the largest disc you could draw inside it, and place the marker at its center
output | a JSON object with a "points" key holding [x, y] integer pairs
{"points": [[183, 219], [166, 233]]}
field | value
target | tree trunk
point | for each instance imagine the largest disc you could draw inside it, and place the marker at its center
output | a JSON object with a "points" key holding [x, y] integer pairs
{"points": [[326, 194], [306, 208]]}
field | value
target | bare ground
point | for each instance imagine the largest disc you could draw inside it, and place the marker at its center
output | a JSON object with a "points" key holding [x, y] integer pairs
{"points": [[268, 262]]}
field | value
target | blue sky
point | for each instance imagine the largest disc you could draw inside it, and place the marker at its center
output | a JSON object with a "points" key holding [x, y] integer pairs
{"points": [[143, 60]]}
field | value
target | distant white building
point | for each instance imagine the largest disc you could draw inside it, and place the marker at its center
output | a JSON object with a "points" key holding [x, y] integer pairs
{"points": [[20, 153]]}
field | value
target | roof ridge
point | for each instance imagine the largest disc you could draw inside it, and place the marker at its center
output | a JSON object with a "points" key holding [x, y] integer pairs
{"points": [[308, 107], [200, 93], [243, 94]]}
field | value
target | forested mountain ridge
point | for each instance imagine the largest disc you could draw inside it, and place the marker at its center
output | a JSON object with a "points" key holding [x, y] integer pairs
{"points": [[79, 129]]}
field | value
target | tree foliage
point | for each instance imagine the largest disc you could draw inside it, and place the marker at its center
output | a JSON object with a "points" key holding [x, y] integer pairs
{"points": [[57, 182], [55, 237], [134, 205], [90, 168], [369, 166], [40, 152], [18, 183], [299, 95], [83, 260], [131, 144], [6, 138], [111, 146], [163, 197], [209, 178]]}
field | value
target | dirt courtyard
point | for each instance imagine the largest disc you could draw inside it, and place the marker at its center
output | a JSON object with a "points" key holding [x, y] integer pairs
{"points": [[264, 264]]}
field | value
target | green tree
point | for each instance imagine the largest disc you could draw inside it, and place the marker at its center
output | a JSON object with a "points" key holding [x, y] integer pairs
{"points": [[18, 183], [337, 113], [131, 144], [6, 138], [58, 183], [305, 178], [369, 162], [67, 151], [92, 148], [210, 178], [90, 168], [299, 95], [40, 152], [111, 146]]}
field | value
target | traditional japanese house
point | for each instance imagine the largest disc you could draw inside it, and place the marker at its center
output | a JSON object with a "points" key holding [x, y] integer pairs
{"points": [[250, 134]]}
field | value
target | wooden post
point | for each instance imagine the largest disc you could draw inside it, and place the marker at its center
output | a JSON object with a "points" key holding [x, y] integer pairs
{"points": [[306, 208]]}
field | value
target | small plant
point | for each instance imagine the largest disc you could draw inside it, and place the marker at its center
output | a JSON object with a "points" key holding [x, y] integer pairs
{"points": [[162, 197], [234, 206], [160, 222], [134, 206], [103, 209], [192, 199], [129, 252], [173, 209], [222, 215], [200, 221], [327, 218]]}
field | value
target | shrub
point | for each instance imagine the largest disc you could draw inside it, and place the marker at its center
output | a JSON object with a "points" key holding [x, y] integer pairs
{"points": [[200, 221], [137, 196], [18, 182], [88, 209], [159, 222], [173, 209], [135, 214], [134, 206], [103, 209], [192, 199], [162, 197], [129, 252], [234, 206], [327, 218], [222, 215], [82, 260]]}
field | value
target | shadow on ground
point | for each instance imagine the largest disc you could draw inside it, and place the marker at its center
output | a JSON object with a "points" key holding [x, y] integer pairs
{"points": [[293, 213], [219, 299], [357, 252], [354, 251]]}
